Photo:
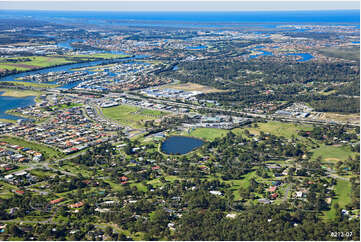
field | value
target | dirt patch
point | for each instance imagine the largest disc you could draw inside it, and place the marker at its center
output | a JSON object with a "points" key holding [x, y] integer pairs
{"points": [[189, 86], [332, 159], [351, 118]]}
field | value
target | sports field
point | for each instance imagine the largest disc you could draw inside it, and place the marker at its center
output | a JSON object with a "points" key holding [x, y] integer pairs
{"points": [[208, 134], [330, 153]]}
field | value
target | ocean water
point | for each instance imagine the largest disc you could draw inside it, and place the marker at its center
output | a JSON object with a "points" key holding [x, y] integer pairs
{"points": [[245, 17]]}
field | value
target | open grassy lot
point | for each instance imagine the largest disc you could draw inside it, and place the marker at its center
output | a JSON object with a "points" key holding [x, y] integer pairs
{"points": [[42, 173], [31, 84], [208, 134], [48, 152], [19, 93], [152, 112], [189, 86], [130, 115], [280, 128], [26, 63], [330, 153], [32, 62], [343, 197]]}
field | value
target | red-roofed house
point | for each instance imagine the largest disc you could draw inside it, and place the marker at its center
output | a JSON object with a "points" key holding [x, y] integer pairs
{"points": [[76, 205], [274, 195], [272, 189], [19, 192], [56, 201], [124, 178]]}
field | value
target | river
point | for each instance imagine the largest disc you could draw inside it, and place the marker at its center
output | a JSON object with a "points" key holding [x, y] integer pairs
{"points": [[7, 103]]}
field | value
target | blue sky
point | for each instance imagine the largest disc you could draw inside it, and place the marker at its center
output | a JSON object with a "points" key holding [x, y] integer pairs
{"points": [[178, 5]]}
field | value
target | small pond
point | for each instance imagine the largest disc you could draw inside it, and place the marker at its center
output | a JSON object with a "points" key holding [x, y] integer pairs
{"points": [[180, 145]]}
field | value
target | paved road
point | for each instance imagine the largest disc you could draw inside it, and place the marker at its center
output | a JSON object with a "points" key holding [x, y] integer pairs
{"points": [[288, 188], [338, 177], [289, 119]]}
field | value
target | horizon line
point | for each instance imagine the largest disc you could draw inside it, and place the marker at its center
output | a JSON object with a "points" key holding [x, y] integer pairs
{"points": [[243, 10]]}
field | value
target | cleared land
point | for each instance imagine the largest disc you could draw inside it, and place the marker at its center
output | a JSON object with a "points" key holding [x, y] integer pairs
{"points": [[19, 93], [352, 118], [189, 86], [131, 116]]}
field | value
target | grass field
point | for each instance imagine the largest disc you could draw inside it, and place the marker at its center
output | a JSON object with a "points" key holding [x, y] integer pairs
{"points": [[31, 84], [130, 115], [331, 153], [280, 128], [19, 93], [343, 197], [42, 173], [45, 150], [189, 86], [36, 62], [208, 134], [151, 112]]}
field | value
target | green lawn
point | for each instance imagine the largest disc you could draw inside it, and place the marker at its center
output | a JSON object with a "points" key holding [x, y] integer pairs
{"points": [[331, 153], [208, 133], [128, 115], [25, 63], [343, 197], [35, 62], [152, 112], [280, 128], [236, 184], [42, 173], [31, 84], [45, 150], [139, 186]]}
